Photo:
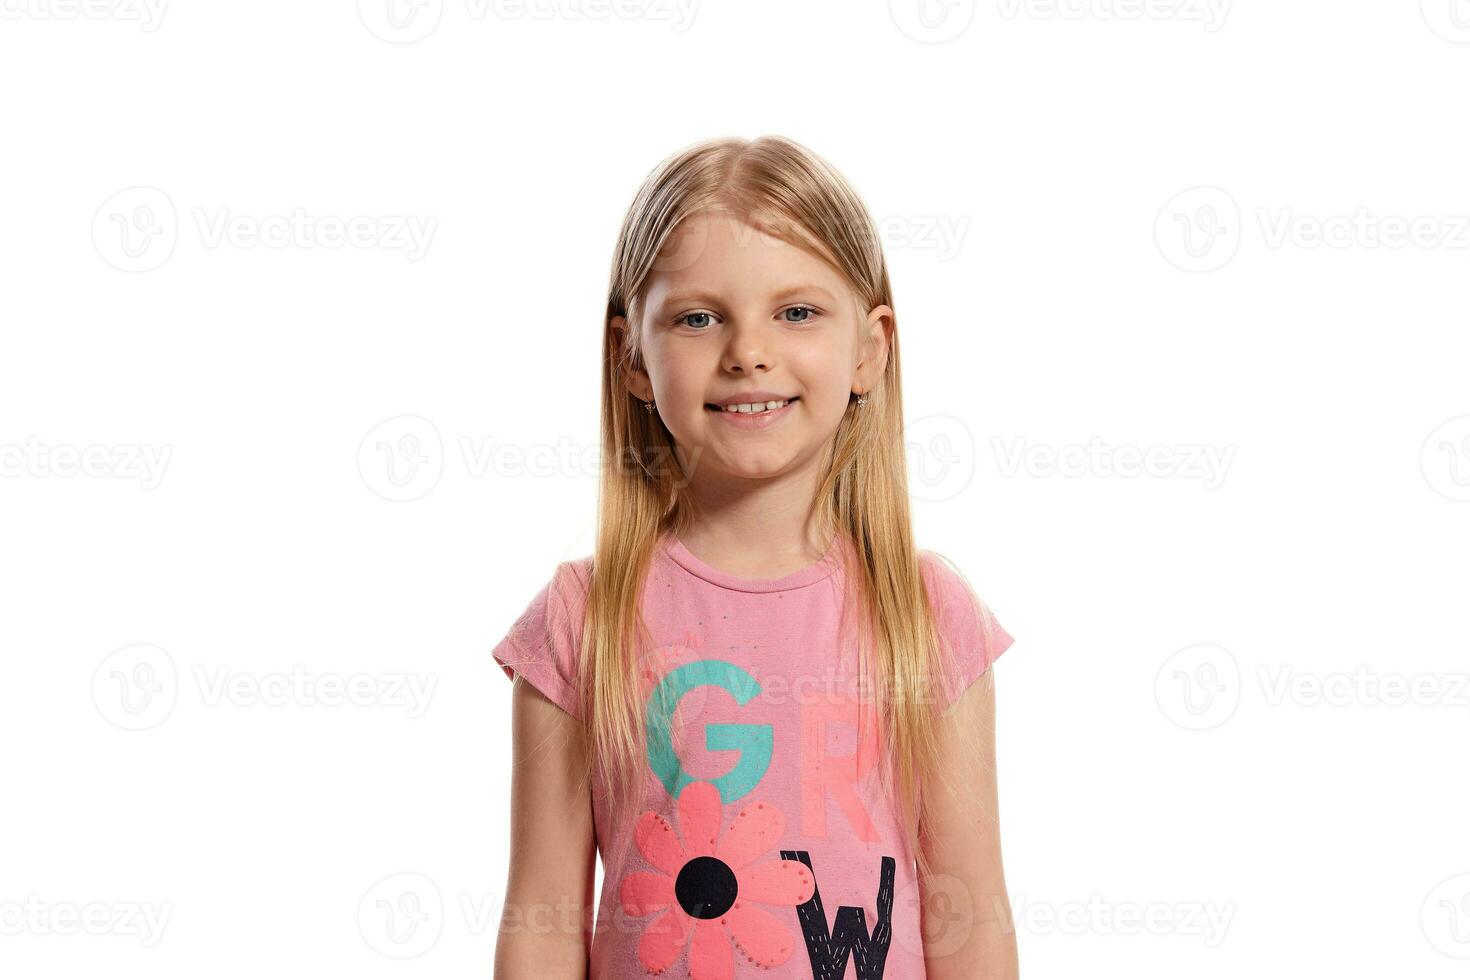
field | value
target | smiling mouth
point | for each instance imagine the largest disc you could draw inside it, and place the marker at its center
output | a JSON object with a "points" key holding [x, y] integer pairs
{"points": [[755, 408]]}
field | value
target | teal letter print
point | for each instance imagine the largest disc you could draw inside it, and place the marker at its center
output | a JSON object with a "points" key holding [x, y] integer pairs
{"points": [[753, 742]]}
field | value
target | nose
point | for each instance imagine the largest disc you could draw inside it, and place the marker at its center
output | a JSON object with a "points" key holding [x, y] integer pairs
{"points": [[750, 348]]}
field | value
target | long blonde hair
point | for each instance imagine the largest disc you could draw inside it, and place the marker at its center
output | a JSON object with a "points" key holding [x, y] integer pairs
{"points": [[776, 185]]}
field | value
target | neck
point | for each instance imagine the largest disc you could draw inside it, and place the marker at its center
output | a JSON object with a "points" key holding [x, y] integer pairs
{"points": [[757, 528]]}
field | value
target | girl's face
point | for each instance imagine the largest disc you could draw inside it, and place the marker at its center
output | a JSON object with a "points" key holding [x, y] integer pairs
{"points": [[736, 316]]}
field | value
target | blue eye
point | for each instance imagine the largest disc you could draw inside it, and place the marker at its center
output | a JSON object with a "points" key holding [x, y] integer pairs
{"points": [[684, 318]]}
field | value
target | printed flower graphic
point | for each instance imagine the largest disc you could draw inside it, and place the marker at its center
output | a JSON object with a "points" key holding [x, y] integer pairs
{"points": [[705, 886]]}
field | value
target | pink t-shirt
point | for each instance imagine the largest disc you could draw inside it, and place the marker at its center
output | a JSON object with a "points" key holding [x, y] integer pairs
{"points": [[765, 845]]}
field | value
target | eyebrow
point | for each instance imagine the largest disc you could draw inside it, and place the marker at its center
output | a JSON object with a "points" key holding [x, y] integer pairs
{"points": [[804, 289]]}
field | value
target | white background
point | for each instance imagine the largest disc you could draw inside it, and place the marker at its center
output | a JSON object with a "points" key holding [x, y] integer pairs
{"points": [[1237, 707]]}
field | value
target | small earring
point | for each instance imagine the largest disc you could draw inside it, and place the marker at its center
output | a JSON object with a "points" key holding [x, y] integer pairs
{"points": [[862, 400], [648, 407]]}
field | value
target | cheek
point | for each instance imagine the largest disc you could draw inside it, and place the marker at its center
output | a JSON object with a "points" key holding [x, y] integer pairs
{"points": [[673, 375], [826, 374], [683, 393]]}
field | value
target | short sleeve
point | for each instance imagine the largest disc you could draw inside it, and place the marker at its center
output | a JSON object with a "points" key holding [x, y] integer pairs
{"points": [[970, 637], [542, 645]]}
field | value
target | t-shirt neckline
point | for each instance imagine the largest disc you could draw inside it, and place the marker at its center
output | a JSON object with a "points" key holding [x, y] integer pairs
{"points": [[821, 568]]}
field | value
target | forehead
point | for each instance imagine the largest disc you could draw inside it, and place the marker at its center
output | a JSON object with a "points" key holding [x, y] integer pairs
{"points": [[719, 256]]}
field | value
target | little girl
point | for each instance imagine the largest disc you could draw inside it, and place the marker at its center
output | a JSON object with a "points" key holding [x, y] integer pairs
{"points": [[756, 699]]}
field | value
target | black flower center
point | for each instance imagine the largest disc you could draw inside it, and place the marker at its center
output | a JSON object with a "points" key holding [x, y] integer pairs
{"points": [[706, 888]]}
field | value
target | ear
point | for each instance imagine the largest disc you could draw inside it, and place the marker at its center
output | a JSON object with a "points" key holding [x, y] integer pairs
{"points": [[635, 379], [873, 348]]}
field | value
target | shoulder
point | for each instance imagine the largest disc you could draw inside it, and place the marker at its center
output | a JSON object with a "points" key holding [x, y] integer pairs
{"points": [[574, 574], [557, 603], [958, 608], [943, 580], [565, 593], [543, 644], [971, 637]]}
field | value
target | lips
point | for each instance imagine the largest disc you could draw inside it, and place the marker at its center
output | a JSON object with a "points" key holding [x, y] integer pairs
{"points": [[770, 419], [751, 400]]}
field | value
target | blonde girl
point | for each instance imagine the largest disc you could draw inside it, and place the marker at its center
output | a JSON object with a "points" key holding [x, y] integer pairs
{"points": [[757, 698]]}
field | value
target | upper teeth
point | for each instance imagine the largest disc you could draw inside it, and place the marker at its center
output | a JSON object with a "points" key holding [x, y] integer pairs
{"points": [[754, 406]]}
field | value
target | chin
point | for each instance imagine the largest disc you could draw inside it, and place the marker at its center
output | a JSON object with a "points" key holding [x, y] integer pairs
{"points": [[764, 468]]}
